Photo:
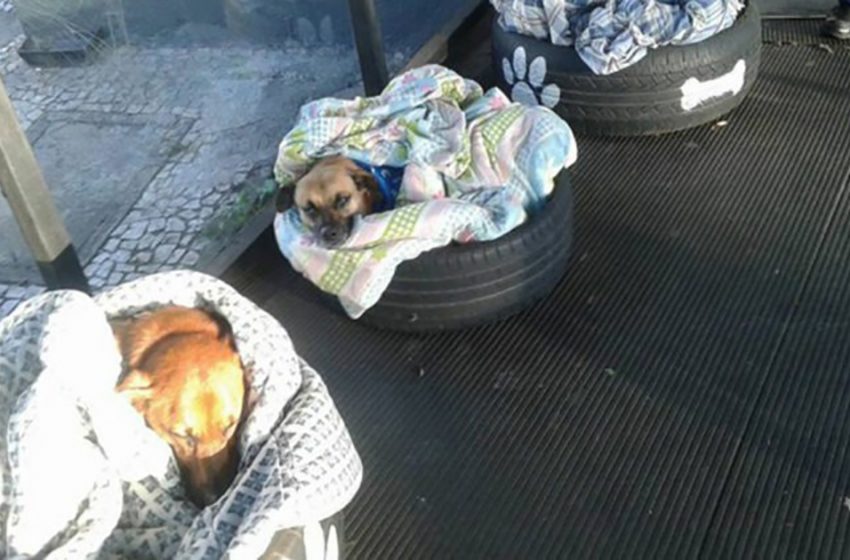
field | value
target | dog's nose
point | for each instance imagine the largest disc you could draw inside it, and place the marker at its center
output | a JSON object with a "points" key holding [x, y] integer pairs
{"points": [[204, 497], [332, 235]]}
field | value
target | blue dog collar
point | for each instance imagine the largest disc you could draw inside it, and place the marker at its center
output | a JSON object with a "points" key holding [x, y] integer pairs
{"points": [[389, 183]]}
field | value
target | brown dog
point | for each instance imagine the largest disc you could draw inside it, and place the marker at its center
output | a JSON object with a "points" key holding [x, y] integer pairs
{"points": [[185, 377], [329, 196]]}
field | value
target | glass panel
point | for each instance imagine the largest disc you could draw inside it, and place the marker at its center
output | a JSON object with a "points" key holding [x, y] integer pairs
{"points": [[407, 25], [156, 121]]}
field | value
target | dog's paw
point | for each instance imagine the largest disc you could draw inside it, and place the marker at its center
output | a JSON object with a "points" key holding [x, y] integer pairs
{"points": [[526, 80]]}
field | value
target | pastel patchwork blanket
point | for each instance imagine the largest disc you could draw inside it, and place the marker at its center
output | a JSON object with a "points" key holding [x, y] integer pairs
{"points": [[610, 35], [83, 476], [475, 165]]}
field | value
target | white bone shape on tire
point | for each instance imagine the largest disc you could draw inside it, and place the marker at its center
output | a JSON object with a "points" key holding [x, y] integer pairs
{"points": [[695, 92]]}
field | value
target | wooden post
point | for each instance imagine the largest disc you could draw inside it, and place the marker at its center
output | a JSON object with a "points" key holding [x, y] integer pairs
{"points": [[22, 183]]}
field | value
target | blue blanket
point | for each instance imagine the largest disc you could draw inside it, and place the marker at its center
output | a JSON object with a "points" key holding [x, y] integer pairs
{"points": [[610, 35]]}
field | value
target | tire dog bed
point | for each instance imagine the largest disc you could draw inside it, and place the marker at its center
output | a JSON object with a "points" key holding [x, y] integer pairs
{"points": [[672, 88], [465, 285], [475, 167]]}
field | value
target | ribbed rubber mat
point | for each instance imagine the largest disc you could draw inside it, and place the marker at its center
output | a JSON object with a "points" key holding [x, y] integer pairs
{"points": [[604, 421], [789, 493], [795, 32]]}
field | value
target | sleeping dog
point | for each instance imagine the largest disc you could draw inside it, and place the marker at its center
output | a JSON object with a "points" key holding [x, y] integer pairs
{"points": [[186, 379], [334, 191]]}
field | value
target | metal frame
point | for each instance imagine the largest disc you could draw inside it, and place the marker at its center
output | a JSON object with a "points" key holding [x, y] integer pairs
{"points": [[370, 45], [23, 186]]}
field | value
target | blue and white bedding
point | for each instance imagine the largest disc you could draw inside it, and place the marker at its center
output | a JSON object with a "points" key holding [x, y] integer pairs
{"points": [[610, 35]]}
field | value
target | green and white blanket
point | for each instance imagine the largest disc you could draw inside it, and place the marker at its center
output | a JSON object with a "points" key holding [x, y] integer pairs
{"points": [[475, 166]]}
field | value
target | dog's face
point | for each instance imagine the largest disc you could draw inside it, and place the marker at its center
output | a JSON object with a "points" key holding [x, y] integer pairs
{"points": [[329, 196], [189, 386]]}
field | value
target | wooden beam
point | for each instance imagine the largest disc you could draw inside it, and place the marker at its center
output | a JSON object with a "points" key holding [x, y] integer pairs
{"points": [[24, 188]]}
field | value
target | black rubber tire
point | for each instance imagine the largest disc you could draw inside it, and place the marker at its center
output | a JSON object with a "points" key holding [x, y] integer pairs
{"points": [[464, 285], [647, 97]]}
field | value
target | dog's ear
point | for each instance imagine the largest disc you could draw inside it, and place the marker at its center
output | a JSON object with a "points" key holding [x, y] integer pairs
{"points": [[284, 199], [363, 179], [225, 331], [366, 182], [137, 386]]}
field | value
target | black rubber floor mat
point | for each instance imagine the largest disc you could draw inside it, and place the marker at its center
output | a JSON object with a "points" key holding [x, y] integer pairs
{"points": [[605, 421], [796, 8], [795, 32], [789, 492]]}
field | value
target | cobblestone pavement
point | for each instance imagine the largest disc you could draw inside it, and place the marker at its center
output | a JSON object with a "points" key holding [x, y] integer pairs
{"points": [[238, 100]]}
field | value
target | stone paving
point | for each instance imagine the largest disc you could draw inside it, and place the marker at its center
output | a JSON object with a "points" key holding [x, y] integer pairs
{"points": [[231, 104]]}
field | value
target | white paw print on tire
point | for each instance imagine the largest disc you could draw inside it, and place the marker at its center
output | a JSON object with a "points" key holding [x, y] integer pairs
{"points": [[527, 80]]}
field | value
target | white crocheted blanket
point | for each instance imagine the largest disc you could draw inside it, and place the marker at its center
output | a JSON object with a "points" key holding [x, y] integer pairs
{"points": [[83, 476]]}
